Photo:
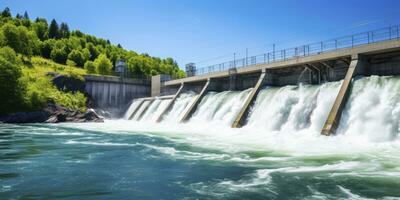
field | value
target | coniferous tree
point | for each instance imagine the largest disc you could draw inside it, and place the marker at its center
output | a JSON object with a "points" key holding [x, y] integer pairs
{"points": [[26, 16], [64, 30], [6, 12], [53, 29]]}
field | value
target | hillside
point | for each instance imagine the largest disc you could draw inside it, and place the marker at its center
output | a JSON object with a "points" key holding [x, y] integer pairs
{"points": [[30, 49]]}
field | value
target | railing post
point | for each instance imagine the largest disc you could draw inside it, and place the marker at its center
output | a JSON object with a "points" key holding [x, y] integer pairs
{"points": [[335, 44], [352, 41], [397, 31], [322, 47]]}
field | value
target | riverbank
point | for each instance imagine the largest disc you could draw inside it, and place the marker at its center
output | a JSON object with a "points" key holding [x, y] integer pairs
{"points": [[52, 113]]}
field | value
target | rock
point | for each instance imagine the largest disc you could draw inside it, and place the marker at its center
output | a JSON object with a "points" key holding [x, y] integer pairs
{"points": [[26, 117], [52, 113], [68, 83], [91, 115]]}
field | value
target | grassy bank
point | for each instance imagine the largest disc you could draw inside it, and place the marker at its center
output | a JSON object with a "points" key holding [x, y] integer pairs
{"points": [[41, 90], [25, 84]]}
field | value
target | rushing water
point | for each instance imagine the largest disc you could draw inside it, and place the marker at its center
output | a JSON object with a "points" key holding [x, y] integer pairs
{"points": [[180, 106], [278, 155]]}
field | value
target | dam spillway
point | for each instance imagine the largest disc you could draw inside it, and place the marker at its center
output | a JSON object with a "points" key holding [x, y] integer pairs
{"points": [[372, 110], [305, 91]]}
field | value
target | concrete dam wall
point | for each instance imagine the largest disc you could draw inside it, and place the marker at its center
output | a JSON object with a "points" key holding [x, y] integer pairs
{"points": [[114, 92], [311, 94]]}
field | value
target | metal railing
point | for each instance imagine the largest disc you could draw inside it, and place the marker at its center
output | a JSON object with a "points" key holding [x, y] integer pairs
{"points": [[379, 35]]}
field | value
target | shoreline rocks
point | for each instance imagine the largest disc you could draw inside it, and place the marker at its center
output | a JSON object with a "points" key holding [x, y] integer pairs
{"points": [[52, 113]]}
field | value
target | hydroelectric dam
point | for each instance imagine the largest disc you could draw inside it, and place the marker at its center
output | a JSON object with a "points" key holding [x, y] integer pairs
{"points": [[326, 87]]}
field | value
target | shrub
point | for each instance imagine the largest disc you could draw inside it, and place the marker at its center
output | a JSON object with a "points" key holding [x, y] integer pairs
{"points": [[103, 65], [90, 67], [11, 89]]}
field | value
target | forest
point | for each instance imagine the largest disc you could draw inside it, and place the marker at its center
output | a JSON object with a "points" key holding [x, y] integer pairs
{"points": [[30, 49]]}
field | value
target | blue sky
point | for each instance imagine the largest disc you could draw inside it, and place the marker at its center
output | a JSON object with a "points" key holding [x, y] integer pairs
{"points": [[210, 31]]}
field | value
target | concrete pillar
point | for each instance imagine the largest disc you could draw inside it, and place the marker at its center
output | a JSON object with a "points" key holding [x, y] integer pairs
{"points": [[145, 109], [137, 108], [240, 118], [155, 85], [193, 106], [357, 67], [169, 106], [232, 78]]}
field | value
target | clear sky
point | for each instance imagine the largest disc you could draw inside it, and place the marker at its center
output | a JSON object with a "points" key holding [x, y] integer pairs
{"points": [[209, 31]]}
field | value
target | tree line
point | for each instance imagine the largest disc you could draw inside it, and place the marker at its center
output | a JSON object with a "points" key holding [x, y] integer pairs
{"points": [[74, 48]]}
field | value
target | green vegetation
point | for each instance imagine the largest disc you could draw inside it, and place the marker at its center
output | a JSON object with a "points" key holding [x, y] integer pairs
{"points": [[56, 42], [30, 49], [25, 86], [40, 90]]}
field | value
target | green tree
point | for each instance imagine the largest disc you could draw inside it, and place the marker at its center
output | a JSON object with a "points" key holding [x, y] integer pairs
{"points": [[10, 55], [64, 30], [6, 12], [46, 47], [10, 36], [103, 65], [11, 89], [20, 39], [134, 66], [94, 52], [59, 55], [78, 57], [90, 67], [53, 29], [28, 41], [40, 28], [26, 16]]}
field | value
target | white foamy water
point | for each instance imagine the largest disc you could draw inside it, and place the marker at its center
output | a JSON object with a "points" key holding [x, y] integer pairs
{"points": [[132, 108], [155, 109], [138, 113], [373, 109], [293, 108], [220, 108], [181, 105], [281, 144]]}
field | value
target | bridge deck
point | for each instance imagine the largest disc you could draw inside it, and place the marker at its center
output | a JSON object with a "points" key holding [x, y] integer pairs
{"points": [[368, 49]]}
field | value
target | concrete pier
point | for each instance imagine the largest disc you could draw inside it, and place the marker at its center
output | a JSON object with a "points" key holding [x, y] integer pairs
{"points": [[169, 106], [136, 109], [145, 109], [195, 103], [357, 67], [379, 58], [239, 121]]}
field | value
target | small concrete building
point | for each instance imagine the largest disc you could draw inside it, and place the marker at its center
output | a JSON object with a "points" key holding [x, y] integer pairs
{"points": [[190, 69], [121, 68]]}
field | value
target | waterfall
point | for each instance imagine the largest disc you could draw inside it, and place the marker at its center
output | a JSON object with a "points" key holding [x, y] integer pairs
{"points": [[132, 108], [144, 105], [181, 105], [155, 109], [293, 108], [373, 109], [220, 108]]}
